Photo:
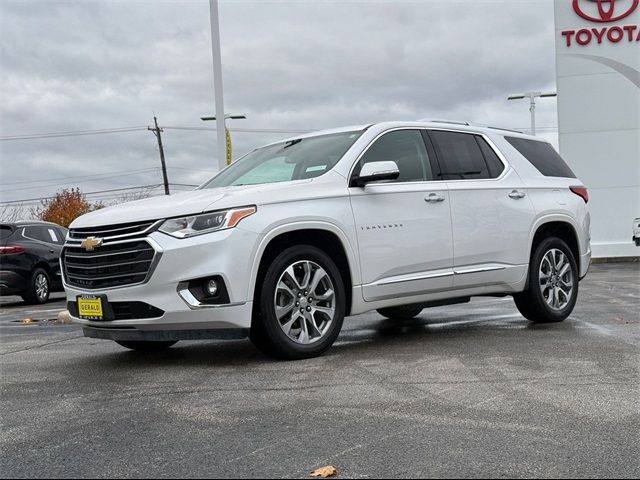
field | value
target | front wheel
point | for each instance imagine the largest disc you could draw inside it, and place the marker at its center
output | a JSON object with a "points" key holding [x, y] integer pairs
{"points": [[553, 283], [301, 305], [146, 346]]}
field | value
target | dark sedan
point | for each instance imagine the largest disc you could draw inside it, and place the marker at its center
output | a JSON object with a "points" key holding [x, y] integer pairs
{"points": [[29, 259]]}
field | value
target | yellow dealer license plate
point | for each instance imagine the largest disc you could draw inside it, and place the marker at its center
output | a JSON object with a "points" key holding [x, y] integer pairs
{"points": [[90, 307]]}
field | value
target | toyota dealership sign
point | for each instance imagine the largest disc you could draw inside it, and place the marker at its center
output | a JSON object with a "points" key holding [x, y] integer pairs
{"points": [[611, 12], [598, 80]]}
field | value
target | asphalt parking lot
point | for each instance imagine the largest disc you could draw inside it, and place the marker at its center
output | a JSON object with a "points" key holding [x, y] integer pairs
{"points": [[464, 391]]}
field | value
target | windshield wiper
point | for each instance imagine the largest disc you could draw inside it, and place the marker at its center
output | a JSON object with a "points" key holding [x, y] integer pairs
{"points": [[291, 143]]}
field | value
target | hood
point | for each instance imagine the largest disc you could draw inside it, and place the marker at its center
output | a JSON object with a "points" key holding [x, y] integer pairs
{"points": [[198, 201]]}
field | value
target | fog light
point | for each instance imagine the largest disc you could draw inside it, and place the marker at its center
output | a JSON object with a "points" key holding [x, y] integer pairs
{"points": [[211, 288]]}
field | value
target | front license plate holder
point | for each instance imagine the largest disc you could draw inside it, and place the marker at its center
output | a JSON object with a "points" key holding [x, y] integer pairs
{"points": [[94, 307]]}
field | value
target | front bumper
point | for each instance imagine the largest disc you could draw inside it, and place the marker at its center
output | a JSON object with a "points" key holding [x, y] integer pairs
{"points": [[226, 254]]}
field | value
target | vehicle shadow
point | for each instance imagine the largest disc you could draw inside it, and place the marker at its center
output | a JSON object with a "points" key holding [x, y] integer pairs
{"points": [[359, 339]]}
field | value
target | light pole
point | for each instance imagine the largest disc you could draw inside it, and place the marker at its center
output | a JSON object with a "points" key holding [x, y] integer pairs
{"points": [[226, 153], [532, 98], [217, 79]]}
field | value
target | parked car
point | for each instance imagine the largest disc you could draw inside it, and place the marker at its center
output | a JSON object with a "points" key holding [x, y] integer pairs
{"points": [[30, 259], [296, 235], [636, 232]]}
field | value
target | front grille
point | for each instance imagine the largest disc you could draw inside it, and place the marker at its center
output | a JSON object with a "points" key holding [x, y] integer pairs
{"points": [[111, 265], [114, 232], [124, 258]]}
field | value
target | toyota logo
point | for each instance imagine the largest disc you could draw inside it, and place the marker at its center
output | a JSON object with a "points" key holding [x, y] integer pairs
{"points": [[606, 10]]}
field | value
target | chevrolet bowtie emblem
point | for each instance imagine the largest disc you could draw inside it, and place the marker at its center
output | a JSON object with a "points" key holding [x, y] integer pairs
{"points": [[90, 243]]}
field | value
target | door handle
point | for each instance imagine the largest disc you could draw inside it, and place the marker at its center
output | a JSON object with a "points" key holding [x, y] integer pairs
{"points": [[517, 195], [434, 198], [52, 251]]}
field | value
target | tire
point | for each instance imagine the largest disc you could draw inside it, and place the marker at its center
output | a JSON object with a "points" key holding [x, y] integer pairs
{"points": [[404, 312], [39, 288], [550, 298], [146, 346], [306, 324]]}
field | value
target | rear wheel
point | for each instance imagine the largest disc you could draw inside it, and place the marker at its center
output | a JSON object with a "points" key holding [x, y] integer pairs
{"points": [[301, 304], [146, 346], [403, 312], [553, 283], [39, 288]]}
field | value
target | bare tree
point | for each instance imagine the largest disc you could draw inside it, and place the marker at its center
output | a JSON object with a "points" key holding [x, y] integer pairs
{"points": [[13, 213]]}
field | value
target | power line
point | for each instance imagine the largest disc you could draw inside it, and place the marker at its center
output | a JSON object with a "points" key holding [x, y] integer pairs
{"points": [[84, 180], [75, 133], [86, 194], [139, 187], [119, 172], [243, 130]]}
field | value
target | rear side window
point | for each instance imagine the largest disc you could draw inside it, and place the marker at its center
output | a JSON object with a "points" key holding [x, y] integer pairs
{"points": [[542, 156], [43, 234], [496, 167], [459, 155]]}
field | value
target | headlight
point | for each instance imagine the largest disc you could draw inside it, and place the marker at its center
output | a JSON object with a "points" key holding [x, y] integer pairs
{"points": [[184, 227]]}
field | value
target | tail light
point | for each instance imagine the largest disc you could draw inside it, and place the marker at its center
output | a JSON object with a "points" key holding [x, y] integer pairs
{"points": [[581, 192], [11, 249]]}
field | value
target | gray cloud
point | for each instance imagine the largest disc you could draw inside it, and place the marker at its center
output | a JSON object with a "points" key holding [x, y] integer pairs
{"points": [[76, 65]]}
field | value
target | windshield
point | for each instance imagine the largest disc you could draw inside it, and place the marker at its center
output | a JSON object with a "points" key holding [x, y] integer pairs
{"points": [[291, 160]]}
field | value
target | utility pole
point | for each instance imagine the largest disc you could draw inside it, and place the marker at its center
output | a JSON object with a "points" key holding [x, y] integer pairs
{"points": [[217, 81], [532, 104], [157, 132]]}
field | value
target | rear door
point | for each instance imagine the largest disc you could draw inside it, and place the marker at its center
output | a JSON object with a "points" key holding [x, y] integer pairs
{"points": [[403, 227], [46, 243], [490, 210]]}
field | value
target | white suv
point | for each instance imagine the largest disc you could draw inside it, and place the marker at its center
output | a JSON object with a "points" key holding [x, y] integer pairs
{"points": [[288, 240]]}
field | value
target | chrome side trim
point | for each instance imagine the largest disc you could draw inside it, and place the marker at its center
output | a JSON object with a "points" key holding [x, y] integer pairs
{"points": [[413, 278], [465, 271]]}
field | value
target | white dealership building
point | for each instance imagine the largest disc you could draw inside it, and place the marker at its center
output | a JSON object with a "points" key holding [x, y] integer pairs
{"points": [[598, 81]]}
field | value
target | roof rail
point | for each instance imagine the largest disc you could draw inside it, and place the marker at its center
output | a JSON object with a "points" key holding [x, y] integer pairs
{"points": [[452, 122], [505, 129]]}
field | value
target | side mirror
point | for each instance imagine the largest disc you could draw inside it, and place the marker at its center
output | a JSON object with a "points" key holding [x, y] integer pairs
{"points": [[376, 172]]}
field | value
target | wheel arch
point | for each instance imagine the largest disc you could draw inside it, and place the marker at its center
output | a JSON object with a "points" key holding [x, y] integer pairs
{"points": [[561, 226], [325, 236]]}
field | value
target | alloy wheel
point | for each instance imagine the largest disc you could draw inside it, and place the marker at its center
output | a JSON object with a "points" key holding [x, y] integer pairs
{"points": [[556, 279], [42, 286], [305, 302]]}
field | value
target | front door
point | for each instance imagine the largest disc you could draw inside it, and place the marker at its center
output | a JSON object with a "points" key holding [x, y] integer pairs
{"points": [[403, 227]]}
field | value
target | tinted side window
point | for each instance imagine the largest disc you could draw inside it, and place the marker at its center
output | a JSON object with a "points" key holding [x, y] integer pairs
{"points": [[459, 155], [407, 149], [496, 167], [542, 156], [62, 232], [43, 234]]}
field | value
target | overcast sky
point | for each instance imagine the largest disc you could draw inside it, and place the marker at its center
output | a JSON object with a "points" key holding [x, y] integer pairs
{"points": [[81, 65]]}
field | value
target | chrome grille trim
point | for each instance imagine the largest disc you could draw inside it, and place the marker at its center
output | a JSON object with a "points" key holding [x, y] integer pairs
{"points": [[120, 264], [110, 233]]}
